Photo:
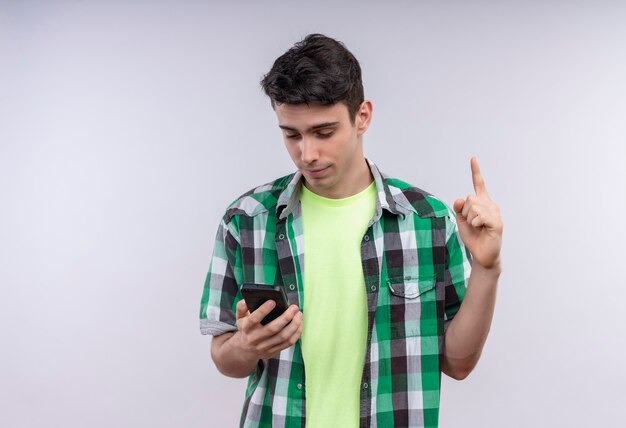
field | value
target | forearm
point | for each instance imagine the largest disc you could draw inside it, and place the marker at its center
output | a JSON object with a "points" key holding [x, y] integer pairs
{"points": [[230, 359], [467, 332]]}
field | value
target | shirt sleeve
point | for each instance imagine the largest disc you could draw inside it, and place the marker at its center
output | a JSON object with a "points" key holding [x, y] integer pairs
{"points": [[457, 273], [221, 289]]}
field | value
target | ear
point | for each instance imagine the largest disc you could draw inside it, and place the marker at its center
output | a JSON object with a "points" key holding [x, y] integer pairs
{"points": [[363, 117]]}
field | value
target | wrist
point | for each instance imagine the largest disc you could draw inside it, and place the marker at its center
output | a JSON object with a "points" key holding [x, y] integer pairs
{"points": [[494, 269], [239, 359]]}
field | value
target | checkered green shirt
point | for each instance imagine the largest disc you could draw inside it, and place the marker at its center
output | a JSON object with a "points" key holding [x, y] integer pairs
{"points": [[416, 271]]}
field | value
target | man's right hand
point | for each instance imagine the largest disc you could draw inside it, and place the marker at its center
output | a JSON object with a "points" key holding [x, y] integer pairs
{"points": [[237, 354], [264, 341]]}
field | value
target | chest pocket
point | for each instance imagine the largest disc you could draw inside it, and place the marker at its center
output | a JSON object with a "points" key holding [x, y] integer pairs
{"points": [[412, 306]]}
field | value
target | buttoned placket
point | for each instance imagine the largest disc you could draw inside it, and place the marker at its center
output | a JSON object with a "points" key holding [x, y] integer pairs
{"points": [[371, 275]]}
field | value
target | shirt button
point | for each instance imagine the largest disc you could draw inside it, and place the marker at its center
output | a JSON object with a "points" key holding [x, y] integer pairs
{"points": [[281, 236], [299, 386], [373, 287], [366, 238], [292, 287], [365, 385]]}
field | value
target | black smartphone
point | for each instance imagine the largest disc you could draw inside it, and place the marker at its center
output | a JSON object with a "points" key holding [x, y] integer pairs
{"points": [[257, 294]]}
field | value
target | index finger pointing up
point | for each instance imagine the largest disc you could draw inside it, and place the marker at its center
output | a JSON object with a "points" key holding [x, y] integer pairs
{"points": [[477, 178]]}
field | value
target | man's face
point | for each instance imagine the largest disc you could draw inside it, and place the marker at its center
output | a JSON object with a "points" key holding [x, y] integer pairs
{"points": [[325, 145]]}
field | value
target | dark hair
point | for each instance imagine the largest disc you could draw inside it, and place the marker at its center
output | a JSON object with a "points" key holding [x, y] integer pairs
{"points": [[316, 70]]}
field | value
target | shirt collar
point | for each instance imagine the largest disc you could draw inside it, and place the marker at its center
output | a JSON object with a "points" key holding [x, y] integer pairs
{"points": [[395, 203]]}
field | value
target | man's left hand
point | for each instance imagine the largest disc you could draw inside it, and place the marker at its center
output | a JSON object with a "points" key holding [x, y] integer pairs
{"points": [[479, 222]]}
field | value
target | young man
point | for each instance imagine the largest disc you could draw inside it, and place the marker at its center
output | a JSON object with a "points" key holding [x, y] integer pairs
{"points": [[377, 272]]}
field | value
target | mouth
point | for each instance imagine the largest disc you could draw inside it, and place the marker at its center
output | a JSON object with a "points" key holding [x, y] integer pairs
{"points": [[316, 172]]}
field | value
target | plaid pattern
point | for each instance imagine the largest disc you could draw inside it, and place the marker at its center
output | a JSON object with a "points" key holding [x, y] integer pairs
{"points": [[416, 271]]}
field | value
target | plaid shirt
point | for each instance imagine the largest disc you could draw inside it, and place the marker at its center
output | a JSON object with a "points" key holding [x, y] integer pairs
{"points": [[416, 271]]}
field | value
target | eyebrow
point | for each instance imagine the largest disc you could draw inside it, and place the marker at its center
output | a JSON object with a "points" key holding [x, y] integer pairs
{"points": [[312, 128]]}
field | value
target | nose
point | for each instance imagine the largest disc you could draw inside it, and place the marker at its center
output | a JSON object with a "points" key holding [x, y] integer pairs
{"points": [[308, 152]]}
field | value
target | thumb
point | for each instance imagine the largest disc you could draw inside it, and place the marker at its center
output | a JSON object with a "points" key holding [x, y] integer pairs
{"points": [[458, 205], [242, 309]]}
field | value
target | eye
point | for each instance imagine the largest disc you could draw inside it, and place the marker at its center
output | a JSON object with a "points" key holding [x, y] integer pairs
{"points": [[292, 136], [325, 134]]}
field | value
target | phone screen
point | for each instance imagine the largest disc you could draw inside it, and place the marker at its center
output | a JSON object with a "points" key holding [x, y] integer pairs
{"points": [[257, 294]]}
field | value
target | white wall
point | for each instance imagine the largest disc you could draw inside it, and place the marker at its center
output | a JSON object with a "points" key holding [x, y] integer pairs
{"points": [[127, 127]]}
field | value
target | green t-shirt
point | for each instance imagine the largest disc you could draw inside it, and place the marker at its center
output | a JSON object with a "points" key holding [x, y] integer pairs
{"points": [[335, 307]]}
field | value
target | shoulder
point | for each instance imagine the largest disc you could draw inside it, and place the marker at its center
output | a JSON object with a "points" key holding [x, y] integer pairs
{"points": [[258, 200], [421, 202]]}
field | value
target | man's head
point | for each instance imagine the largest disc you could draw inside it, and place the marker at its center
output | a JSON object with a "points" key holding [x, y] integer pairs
{"points": [[317, 94], [317, 70]]}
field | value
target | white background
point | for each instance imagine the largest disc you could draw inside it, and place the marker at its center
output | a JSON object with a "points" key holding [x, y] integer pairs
{"points": [[127, 127]]}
